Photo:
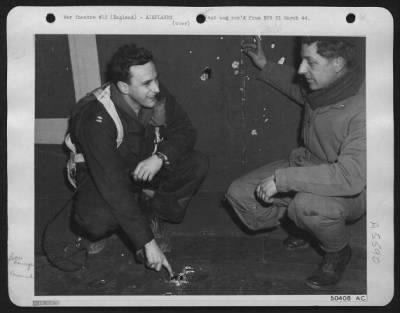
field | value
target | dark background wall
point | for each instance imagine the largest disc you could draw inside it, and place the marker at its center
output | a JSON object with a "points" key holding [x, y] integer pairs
{"points": [[242, 123], [54, 88], [224, 120]]}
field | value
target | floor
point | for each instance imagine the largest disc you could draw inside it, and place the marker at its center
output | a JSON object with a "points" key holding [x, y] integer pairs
{"points": [[215, 256]]}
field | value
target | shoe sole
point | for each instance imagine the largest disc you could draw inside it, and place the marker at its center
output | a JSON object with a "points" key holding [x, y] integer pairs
{"points": [[302, 247], [96, 248], [329, 287], [316, 287]]}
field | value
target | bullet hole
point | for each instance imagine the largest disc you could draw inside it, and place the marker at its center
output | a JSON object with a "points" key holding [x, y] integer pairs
{"points": [[281, 60], [272, 46], [222, 37], [206, 74], [50, 18], [235, 64], [178, 277], [350, 18], [218, 58], [190, 52], [266, 120], [200, 18], [254, 132]]}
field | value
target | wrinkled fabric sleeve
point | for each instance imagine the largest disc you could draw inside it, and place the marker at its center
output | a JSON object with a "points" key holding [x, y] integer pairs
{"points": [[281, 77], [345, 177], [181, 134], [97, 140]]}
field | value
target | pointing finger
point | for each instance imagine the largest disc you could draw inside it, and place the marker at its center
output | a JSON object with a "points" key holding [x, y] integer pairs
{"points": [[168, 267]]}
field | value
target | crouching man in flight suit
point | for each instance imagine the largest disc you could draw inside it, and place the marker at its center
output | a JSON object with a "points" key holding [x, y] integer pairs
{"points": [[323, 183], [133, 156]]}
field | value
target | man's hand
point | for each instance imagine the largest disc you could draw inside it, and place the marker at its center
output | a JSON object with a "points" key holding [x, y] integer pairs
{"points": [[266, 189], [155, 258], [255, 52], [147, 169]]}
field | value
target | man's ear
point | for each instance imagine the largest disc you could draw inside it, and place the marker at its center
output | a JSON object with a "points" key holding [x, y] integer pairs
{"points": [[340, 64], [123, 87]]}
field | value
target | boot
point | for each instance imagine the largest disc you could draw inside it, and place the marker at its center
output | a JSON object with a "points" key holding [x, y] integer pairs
{"points": [[295, 243], [330, 270], [297, 238], [93, 247]]}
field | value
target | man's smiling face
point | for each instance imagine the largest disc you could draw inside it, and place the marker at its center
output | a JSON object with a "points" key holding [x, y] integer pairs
{"points": [[143, 86]]}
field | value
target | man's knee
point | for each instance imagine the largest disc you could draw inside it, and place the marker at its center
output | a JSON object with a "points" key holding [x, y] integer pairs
{"points": [[239, 192], [233, 191], [236, 198], [253, 215]]}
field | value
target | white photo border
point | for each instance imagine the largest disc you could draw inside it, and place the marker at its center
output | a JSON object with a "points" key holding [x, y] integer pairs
{"points": [[376, 24]]}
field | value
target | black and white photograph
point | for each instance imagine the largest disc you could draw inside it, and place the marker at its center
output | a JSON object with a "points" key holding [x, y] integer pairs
{"points": [[226, 165]]}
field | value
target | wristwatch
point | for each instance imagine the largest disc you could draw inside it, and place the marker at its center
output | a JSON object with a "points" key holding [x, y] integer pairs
{"points": [[163, 158]]}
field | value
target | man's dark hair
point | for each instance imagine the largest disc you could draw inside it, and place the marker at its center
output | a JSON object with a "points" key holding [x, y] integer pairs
{"points": [[333, 47], [127, 56]]}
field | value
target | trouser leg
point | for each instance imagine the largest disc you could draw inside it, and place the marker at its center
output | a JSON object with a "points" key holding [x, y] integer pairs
{"points": [[91, 215], [326, 217], [177, 186], [254, 213]]}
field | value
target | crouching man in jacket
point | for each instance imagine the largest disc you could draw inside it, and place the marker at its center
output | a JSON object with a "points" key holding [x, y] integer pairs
{"points": [[323, 184], [134, 159]]}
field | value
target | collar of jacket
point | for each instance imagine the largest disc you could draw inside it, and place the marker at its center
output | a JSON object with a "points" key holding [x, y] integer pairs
{"points": [[345, 87], [154, 116], [339, 105]]}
